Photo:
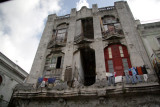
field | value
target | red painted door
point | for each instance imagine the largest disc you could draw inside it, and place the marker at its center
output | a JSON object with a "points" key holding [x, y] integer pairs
{"points": [[117, 56]]}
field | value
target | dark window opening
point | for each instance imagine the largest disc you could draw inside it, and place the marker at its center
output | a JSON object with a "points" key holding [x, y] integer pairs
{"points": [[158, 40], [88, 65], [87, 25], [0, 79], [59, 62]]}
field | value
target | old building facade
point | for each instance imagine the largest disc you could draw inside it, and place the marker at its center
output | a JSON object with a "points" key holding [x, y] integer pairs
{"points": [[150, 34], [10, 75], [81, 61]]}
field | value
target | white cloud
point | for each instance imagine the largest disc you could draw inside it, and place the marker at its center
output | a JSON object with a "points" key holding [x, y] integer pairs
{"points": [[145, 10], [21, 25], [82, 3]]}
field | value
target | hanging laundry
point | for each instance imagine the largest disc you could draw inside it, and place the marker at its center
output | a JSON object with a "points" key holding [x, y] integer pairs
{"points": [[51, 80], [43, 84], [139, 69], [45, 79], [40, 80], [145, 76]]}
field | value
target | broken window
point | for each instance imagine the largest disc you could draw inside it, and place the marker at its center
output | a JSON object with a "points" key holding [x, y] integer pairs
{"points": [[1, 79], [54, 61], [87, 25], [109, 20], [88, 65], [84, 27], [59, 58], [61, 32], [158, 40], [110, 25]]}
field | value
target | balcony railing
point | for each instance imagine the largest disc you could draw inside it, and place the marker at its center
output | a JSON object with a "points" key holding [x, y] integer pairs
{"points": [[115, 33], [57, 42], [53, 73], [63, 17], [106, 8], [81, 38]]}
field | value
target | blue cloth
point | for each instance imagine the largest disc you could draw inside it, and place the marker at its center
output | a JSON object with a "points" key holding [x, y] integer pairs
{"points": [[40, 80], [51, 80], [139, 78], [133, 71]]}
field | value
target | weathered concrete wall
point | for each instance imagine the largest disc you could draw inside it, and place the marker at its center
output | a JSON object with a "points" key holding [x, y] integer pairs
{"points": [[139, 100], [135, 46], [149, 34], [39, 60], [7, 87]]}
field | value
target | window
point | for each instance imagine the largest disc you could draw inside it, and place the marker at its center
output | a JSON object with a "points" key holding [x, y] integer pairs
{"points": [[125, 64], [1, 79], [61, 34], [110, 52], [59, 62], [110, 66], [87, 28], [109, 19], [121, 51], [108, 24], [158, 40], [56, 62]]}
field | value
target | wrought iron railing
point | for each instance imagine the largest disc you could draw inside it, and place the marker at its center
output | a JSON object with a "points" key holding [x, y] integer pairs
{"points": [[106, 8], [118, 33], [60, 42], [79, 37], [63, 17]]}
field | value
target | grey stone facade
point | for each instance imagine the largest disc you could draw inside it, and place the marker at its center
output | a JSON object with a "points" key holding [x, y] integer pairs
{"points": [[150, 34], [72, 50], [10, 75]]}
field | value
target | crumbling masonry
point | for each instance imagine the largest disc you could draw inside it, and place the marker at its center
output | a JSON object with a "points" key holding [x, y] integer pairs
{"points": [[77, 51]]}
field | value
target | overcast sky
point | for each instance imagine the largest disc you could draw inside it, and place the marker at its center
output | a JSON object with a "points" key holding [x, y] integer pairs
{"points": [[22, 22]]}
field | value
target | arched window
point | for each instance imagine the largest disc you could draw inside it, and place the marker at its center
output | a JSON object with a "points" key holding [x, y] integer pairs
{"points": [[54, 61], [110, 25], [116, 59], [61, 33]]}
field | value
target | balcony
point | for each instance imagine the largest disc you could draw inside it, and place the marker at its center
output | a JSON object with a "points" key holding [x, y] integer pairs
{"points": [[108, 35], [56, 43], [56, 73], [82, 39], [64, 17]]}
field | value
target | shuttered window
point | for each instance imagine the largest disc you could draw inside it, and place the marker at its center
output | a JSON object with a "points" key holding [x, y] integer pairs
{"points": [[121, 51], [110, 66], [109, 52]]}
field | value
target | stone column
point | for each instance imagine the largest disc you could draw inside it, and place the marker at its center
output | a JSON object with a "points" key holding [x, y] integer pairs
{"points": [[68, 57], [130, 32], [98, 45], [39, 60]]}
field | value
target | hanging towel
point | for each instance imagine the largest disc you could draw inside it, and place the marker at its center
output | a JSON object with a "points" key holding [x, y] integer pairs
{"points": [[40, 80], [139, 70], [51, 80], [43, 84], [45, 79]]}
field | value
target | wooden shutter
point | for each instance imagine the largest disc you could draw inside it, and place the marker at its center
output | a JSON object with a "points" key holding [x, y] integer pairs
{"points": [[68, 74]]}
